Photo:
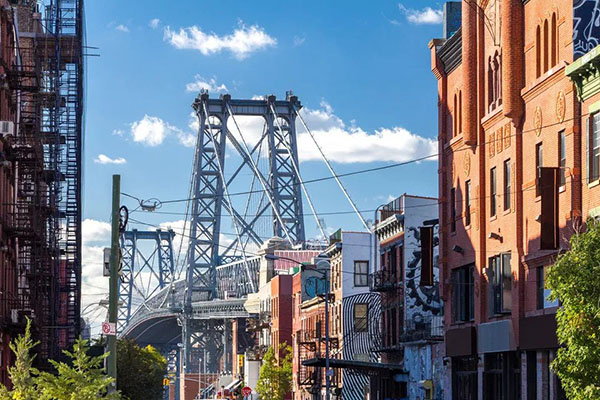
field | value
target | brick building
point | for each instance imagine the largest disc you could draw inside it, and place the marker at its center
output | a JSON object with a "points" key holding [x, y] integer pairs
{"points": [[8, 244], [513, 147], [411, 309]]}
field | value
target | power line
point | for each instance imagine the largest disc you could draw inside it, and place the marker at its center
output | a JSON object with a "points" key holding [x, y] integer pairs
{"points": [[383, 167]]}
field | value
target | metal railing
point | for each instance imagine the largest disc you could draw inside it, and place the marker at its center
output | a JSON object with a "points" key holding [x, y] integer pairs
{"points": [[426, 328], [383, 280]]}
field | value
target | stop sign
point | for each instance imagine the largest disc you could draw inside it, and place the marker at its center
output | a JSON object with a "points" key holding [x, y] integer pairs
{"points": [[246, 391]]}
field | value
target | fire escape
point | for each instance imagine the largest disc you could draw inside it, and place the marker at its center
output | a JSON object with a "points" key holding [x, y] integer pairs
{"points": [[311, 345], [48, 84]]}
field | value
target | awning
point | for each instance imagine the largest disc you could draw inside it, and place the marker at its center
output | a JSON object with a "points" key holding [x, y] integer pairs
{"points": [[363, 366], [234, 385]]}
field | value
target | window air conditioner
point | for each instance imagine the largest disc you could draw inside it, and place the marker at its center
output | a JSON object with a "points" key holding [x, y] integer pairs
{"points": [[7, 128]]}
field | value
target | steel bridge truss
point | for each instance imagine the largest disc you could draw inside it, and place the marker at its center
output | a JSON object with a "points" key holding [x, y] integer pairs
{"points": [[280, 202], [146, 269]]}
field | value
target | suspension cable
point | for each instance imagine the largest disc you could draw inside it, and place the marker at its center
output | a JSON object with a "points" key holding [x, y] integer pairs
{"points": [[335, 176], [310, 203]]}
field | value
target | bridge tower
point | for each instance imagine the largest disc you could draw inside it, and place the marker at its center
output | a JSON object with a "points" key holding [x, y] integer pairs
{"points": [[148, 266], [279, 186]]}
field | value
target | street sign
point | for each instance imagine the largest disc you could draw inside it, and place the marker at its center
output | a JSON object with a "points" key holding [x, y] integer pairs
{"points": [[109, 328], [246, 391]]}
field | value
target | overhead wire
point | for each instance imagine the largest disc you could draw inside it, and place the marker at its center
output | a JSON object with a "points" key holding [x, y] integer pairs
{"points": [[397, 164]]}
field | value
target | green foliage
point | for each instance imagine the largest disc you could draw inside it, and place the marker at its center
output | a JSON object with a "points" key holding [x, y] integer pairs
{"points": [[275, 377], [22, 374], [574, 281], [140, 371], [82, 379]]}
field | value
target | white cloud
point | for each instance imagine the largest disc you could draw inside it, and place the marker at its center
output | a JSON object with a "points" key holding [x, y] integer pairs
{"points": [[386, 144], [426, 15], [154, 23], [122, 28], [95, 236], [299, 40], [118, 132], [209, 85], [151, 131], [394, 144], [93, 231], [104, 159], [241, 43]]}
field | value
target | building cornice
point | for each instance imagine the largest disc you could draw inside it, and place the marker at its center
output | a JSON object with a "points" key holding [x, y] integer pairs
{"points": [[450, 53], [547, 80], [585, 74]]}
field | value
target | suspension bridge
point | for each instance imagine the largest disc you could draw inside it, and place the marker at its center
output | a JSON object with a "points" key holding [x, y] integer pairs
{"points": [[185, 306]]}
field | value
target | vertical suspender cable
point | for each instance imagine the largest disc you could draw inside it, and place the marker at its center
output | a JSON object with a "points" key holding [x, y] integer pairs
{"points": [[226, 190], [298, 175], [260, 178], [337, 179]]}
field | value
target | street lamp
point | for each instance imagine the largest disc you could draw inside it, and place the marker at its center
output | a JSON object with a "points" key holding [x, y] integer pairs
{"points": [[325, 274]]}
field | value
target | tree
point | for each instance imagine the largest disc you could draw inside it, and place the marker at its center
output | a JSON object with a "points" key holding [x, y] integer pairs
{"points": [[275, 377], [574, 281], [22, 374], [81, 379], [140, 371]]}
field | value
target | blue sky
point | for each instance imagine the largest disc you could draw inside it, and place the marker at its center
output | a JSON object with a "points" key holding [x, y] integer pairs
{"points": [[361, 70]]}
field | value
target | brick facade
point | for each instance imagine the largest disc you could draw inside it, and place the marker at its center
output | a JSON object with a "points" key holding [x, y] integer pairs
{"points": [[519, 111]]}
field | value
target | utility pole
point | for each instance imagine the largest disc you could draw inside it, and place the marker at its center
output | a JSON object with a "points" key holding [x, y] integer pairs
{"points": [[113, 294]]}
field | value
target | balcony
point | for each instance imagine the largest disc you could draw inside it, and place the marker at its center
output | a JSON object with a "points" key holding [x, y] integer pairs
{"points": [[429, 328], [384, 281], [394, 207], [256, 353], [262, 322]]}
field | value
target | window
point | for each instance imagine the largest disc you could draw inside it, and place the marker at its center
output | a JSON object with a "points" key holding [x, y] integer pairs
{"points": [[546, 47], [361, 273], [595, 147], [464, 378], [459, 116], [500, 278], [361, 320], [554, 44], [538, 52], [543, 293], [493, 192], [463, 295], [562, 161], [392, 261], [453, 210], [455, 117], [506, 185], [468, 203], [539, 163]]}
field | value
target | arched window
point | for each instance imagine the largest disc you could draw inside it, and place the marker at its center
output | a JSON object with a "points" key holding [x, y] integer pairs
{"points": [[538, 52], [554, 44], [455, 119], [460, 112], [490, 83], [546, 46]]}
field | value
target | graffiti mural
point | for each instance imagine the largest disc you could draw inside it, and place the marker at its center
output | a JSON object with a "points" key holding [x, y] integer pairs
{"points": [[358, 346], [586, 26], [420, 300]]}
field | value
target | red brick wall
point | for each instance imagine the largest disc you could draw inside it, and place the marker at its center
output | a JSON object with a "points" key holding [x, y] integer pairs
{"points": [[490, 137], [7, 175]]}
